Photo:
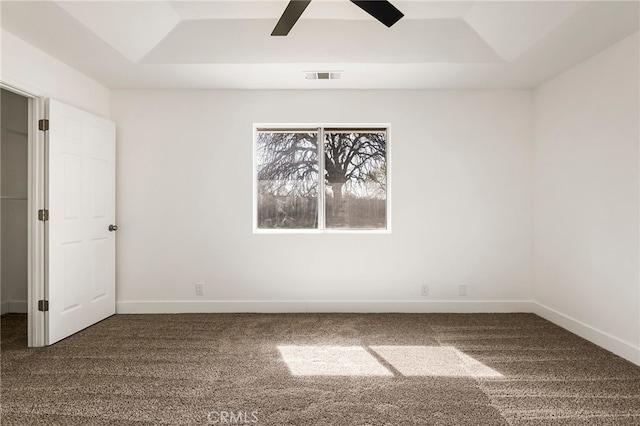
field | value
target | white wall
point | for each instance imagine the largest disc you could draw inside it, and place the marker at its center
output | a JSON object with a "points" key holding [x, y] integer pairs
{"points": [[462, 198], [32, 70], [587, 199], [461, 203], [13, 202]]}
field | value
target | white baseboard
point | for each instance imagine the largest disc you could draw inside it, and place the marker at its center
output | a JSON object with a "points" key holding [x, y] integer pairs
{"points": [[14, 306], [613, 344], [598, 337], [290, 306]]}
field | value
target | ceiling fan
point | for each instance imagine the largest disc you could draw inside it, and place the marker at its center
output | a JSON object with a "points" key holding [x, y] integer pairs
{"points": [[382, 10]]}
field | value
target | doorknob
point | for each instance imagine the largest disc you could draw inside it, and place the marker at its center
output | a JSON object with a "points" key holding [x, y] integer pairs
{"points": [[113, 228]]}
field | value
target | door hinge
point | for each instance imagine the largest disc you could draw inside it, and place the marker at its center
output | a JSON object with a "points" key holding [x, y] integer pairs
{"points": [[43, 124], [43, 305], [43, 215]]}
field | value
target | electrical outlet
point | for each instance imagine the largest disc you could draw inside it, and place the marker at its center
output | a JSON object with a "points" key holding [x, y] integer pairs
{"points": [[425, 290], [462, 290], [199, 289]]}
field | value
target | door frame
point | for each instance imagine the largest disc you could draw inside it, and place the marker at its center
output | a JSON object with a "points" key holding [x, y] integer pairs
{"points": [[36, 200]]}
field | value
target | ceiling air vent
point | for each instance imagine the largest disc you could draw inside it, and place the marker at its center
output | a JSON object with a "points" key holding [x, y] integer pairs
{"points": [[323, 75]]}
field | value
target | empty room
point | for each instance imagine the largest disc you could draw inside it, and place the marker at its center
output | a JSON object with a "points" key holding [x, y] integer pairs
{"points": [[325, 212]]}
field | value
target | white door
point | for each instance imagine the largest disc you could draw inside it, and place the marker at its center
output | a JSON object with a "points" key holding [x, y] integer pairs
{"points": [[80, 270]]}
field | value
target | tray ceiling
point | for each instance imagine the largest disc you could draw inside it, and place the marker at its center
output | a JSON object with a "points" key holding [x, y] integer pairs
{"points": [[227, 44]]}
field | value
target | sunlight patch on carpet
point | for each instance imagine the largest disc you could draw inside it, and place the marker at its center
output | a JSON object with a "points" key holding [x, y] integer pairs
{"points": [[433, 361], [331, 361], [441, 361]]}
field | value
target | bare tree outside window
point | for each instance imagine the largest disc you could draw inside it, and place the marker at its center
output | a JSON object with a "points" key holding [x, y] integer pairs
{"points": [[287, 163], [356, 179], [354, 188]]}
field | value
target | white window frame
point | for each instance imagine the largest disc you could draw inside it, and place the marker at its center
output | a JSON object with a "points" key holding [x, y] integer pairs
{"points": [[321, 184]]}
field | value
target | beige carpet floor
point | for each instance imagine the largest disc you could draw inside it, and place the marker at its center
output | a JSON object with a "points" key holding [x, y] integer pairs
{"points": [[316, 369]]}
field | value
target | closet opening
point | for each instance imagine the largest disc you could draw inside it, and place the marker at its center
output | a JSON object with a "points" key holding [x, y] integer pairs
{"points": [[14, 214]]}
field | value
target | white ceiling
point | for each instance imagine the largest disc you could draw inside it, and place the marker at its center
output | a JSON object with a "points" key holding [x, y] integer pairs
{"points": [[227, 44]]}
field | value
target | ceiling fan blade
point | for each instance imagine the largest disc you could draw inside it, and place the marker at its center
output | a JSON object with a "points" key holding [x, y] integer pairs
{"points": [[290, 16], [383, 11]]}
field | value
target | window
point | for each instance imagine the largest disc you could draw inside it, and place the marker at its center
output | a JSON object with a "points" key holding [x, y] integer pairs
{"points": [[350, 192]]}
